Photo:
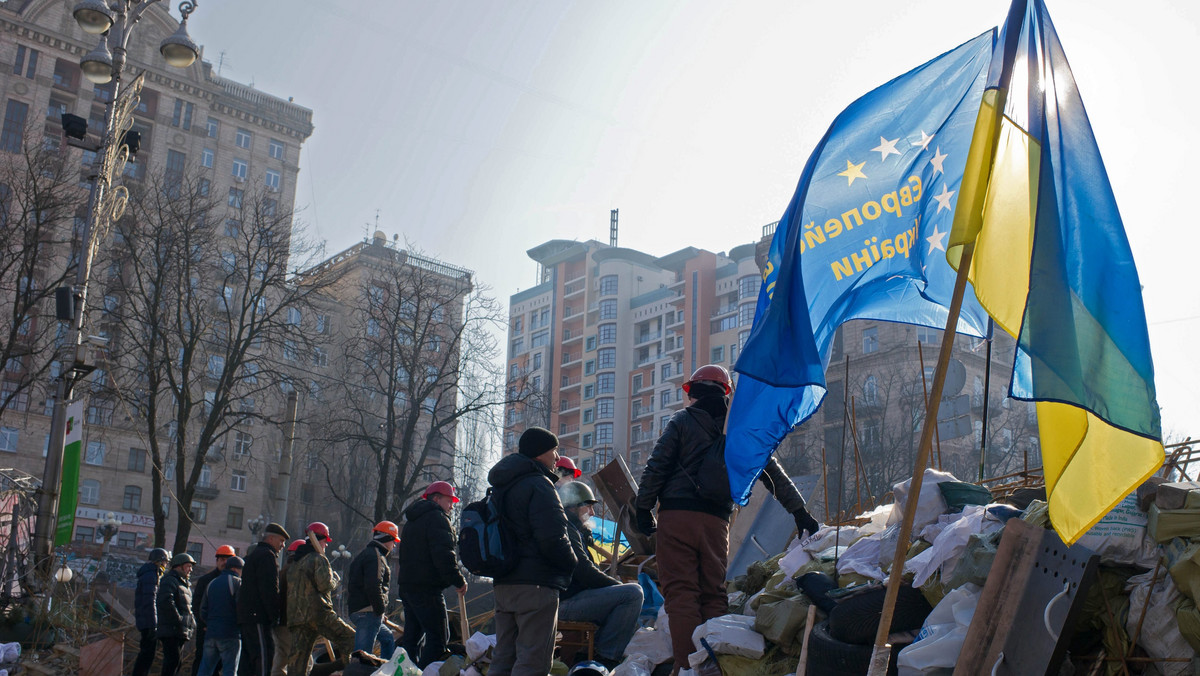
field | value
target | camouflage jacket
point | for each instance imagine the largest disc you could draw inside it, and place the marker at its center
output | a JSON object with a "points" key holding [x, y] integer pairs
{"points": [[310, 584]]}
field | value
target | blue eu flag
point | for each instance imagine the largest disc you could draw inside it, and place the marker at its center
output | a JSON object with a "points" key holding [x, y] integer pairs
{"points": [[864, 238]]}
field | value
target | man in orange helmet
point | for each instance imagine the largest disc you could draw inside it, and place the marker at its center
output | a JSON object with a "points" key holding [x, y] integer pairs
{"points": [[198, 593], [427, 566], [693, 531], [368, 582]]}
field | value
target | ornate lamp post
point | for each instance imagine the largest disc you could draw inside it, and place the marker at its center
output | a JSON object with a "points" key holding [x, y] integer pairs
{"points": [[256, 526], [109, 526], [114, 21], [339, 558]]}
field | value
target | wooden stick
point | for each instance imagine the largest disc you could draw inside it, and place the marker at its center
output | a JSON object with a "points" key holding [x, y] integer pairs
{"points": [[825, 483], [882, 652], [937, 440], [328, 648], [464, 626], [802, 666]]}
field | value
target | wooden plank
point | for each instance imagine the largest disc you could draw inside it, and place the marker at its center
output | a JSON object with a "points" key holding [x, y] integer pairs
{"points": [[102, 658], [617, 489]]}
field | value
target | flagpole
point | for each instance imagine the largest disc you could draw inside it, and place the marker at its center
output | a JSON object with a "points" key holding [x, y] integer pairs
{"points": [[882, 653]]}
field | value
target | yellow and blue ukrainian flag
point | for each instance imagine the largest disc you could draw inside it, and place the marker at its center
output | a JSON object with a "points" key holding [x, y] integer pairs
{"points": [[1037, 206]]}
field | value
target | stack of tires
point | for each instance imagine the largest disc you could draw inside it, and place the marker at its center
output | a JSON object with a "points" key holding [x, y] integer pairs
{"points": [[843, 643]]}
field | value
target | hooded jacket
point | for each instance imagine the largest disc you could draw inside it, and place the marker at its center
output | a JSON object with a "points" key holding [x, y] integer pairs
{"points": [[586, 575], [218, 611], [537, 524], [669, 478], [427, 559], [369, 579], [144, 596], [174, 607]]}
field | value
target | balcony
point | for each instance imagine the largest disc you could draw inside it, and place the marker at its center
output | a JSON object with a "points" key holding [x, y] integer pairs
{"points": [[569, 383], [677, 346], [206, 492], [647, 338], [574, 288], [568, 406], [571, 358], [677, 373], [567, 431], [642, 411], [570, 314], [726, 310], [571, 336]]}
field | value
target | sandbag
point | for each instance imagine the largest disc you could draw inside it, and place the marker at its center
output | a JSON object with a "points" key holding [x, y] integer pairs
{"points": [[731, 635], [1182, 558], [930, 502], [652, 643], [1160, 635], [782, 622], [941, 639], [775, 662], [1121, 537], [635, 665], [950, 544], [976, 560]]}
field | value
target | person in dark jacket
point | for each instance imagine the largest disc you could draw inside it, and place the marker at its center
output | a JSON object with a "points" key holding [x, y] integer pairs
{"points": [[527, 597], [199, 592], [143, 608], [693, 533], [367, 585], [176, 624], [258, 602], [593, 596], [427, 566], [219, 613]]}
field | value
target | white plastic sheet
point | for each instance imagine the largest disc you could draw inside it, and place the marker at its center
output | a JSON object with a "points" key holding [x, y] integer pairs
{"points": [[949, 545], [10, 652], [1160, 635], [635, 665], [652, 643], [941, 639], [929, 504], [731, 635], [477, 646]]}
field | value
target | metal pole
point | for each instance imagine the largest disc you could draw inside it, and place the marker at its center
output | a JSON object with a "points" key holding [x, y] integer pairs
{"points": [[285, 460], [987, 384]]}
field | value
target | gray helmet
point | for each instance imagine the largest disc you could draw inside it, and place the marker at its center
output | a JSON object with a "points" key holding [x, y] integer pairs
{"points": [[588, 669], [576, 493], [159, 555], [180, 559]]}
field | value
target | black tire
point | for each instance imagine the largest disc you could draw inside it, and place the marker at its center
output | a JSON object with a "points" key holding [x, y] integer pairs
{"points": [[855, 619], [828, 656]]}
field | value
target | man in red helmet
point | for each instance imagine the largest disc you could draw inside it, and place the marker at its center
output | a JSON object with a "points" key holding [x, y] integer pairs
{"points": [[565, 468], [693, 532], [427, 566], [310, 610], [367, 585]]}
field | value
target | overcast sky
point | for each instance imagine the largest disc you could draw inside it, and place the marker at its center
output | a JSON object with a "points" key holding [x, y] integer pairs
{"points": [[478, 129]]}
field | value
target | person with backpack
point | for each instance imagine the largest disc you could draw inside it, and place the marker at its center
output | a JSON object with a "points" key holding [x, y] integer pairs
{"points": [[367, 585], [144, 613], [218, 611], [541, 560], [693, 528], [199, 593], [593, 596], [427, 566], [176, 624]]}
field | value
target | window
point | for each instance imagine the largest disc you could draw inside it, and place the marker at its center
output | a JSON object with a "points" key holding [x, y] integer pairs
{"points": [[306, 493], [235, 197], [746, 314], [606, 383], [239, 170], [196, 549], [516, 325], [586, 442], [322, 324], [242, 443], [606, 358], [85, 533], [8, 439], [212, 127], [664, 399], [608, 309], [604, 434], [272, 180], [637, 382], [293, 316], [126, 539], [206, 158], [718, 354], [95, 453], [13, 135], [205, 186], [237, 482], [539, 339], [518, 346], [589, 367], [589, 415], [666, 372], [199, 512], [748, 287], [663, 421], [591, 343], [275, 149], [320, 357], [608, 285], [242, 138], [607, 334], [133, 498], [537, 383], [589, 391], [182, 117], [290, 351], [871, 390], [17, 401], [24, 57], [928, 336], [99, 414], [373, 328], [605, 408], [137, 460], [870, 340], [89, 492], [234, 518], [537, 358], [216, 365]]}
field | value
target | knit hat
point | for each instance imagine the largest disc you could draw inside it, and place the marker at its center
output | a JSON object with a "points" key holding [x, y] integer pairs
{"points": [[235, 563], [536, 441]]}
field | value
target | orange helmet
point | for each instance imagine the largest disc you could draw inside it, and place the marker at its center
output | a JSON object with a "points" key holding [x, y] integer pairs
{"points": [[226, 550], [711, 373], [568, 464], [389, 528], [440, 488]]}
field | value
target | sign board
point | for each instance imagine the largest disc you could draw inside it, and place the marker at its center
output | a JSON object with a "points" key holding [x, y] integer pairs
{"points": [[68, 497]]}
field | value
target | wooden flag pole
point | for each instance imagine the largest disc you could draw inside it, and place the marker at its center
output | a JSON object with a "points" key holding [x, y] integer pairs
{"points": [[883, 652]]}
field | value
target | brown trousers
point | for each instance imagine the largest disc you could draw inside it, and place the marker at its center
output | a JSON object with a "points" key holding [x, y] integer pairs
{"points": [[693, 553]]}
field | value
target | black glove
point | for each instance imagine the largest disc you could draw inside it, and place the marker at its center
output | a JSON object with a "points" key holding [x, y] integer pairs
{"points": [[805, 522], [645, 522]]}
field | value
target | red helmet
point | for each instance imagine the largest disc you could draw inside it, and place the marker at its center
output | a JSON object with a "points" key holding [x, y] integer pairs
{"points": [[295, 545], [566, 463], [389, 528], [440, 488], [711, 373], [320, 530], [226, 550]]}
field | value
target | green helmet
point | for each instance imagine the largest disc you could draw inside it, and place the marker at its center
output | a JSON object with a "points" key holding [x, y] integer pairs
{"points": [[180, 559], [576, 493]]}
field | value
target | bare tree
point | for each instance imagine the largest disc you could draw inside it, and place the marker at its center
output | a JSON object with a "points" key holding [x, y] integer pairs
{"points": [[207, 325], [39, 194]]}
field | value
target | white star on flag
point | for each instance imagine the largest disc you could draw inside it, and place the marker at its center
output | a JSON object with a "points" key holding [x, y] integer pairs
{"points": [[935, 240], [886, 148], [943, 199], [937, 160], [924, 142]]}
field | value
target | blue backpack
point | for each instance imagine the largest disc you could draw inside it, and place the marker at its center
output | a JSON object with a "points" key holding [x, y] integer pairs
{"points": [[484, 545]]}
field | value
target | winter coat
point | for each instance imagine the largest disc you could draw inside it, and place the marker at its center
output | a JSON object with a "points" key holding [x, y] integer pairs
{"points": [[174, 607], [200, 592], [219, 609], [586, 574], [427, 545], [534, 517], [144, 596], [670, 476], [258, 598], [369, 579], [309, 586]]}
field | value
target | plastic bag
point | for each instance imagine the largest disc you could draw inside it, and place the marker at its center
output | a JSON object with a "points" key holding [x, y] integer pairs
{"points": [[731, 635], [1120, 537], [478, 645], [10, 652], [941, 639], [635, 665], [434, 669], [951, 543], [930, 503], [399, 664], [1160, 635], [652, 599], [652, 644]]}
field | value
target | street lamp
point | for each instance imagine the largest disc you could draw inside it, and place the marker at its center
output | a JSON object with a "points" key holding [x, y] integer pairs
{"points": [[257, 525], [339, 557], [109, 526], [114, 21]]}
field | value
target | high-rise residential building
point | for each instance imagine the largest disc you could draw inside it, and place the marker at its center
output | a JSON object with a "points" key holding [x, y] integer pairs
{"points": [[236, 141], [601, 346]]}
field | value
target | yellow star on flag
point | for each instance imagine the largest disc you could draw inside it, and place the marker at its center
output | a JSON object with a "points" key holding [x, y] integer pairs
{"points": [[852, 172]]}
